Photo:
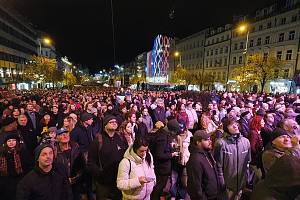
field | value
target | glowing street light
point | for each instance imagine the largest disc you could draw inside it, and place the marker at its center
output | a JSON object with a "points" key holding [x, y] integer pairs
{"points": [[177, 54], [46, 41]]}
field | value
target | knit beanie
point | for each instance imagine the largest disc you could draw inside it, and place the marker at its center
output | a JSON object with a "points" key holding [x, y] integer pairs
{"points": [[39, 149]]}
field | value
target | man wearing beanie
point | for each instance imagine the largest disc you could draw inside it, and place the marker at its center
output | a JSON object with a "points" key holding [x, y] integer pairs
{"points": [[104, 156], [280, 142], [201, 169], [163, 154], [46, 181], [233, 155]]}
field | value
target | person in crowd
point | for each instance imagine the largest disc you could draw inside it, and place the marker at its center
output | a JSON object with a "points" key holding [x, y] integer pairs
{"points": [[57, 116], [256, 143], [201, 169], [233, 155], [15, 162], [9, 124], [147, 120], [207, 123], [105, 154], [282, 181], [47, 180], [69, 123], [290, 126], [171, 111], [33, 117], [159, 113], [28, 135], [126, 132], [163, 154], [69, 155], [83, 133], [181, 113], [136, 177], [141, 128], [192, 116], [244, 122], [267, 130], [280, 142], [44, 124]]}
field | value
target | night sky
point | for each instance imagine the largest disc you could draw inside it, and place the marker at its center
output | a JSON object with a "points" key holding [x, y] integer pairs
{"points": [[82, 29]]}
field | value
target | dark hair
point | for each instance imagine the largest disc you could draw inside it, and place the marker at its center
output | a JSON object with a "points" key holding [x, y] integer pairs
{"points": [[141, 141]]}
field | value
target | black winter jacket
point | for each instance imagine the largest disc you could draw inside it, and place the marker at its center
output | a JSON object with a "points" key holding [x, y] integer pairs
{"points": [[82, 136], [38, 185], [203, 180]]}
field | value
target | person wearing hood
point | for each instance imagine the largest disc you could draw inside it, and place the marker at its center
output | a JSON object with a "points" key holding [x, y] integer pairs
{"points": [[201, 169], [136, 177], [163, 153]]}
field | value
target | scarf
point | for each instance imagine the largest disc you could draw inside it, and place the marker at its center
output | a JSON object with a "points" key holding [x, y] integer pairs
{"points": [[17, 162]]}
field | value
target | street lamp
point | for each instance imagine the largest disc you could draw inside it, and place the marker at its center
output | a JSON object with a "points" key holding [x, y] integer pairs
{"points": [[46, 41], [242, 29], [177, 54]]}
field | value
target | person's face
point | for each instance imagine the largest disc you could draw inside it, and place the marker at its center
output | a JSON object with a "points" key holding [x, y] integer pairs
{"points": [[63, 138], [47, 118], [55, 109], [233, 128], [22, 110], [11, 143], [46, 157], [124, 110], [182, 107], [198, 107], [291, 125], [232, 114], [129, 128], [89, 122], [210, 106], [112, 125], [135, 108], [142, 151], [66, 123], [30, 107], [270, 118], [160, 104], [16, 113], [216, 118], [283, 142], [73, 107], [262, 123], [206, 144], [74, 117], [173, 107], [145, 112], [23, 121], [52, 134], [89, 106], [133, 118]]}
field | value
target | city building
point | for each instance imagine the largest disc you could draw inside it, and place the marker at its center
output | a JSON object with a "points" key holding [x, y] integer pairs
{"points": [[216, 57], [274, 31], [18, 41]]}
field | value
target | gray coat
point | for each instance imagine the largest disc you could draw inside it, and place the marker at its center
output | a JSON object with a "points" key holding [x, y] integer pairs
{"points": [[233, 155]]}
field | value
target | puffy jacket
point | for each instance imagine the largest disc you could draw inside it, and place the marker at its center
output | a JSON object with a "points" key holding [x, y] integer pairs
{"points": [[130, 169], [233, 155]]}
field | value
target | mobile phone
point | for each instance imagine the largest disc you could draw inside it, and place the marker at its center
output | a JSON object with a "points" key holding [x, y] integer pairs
{"points": [[150, 179]]}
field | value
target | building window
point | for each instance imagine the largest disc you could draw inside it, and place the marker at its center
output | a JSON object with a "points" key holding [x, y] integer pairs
{"points": [[286, 73], [211, 52], [225, 61], [208, 42], [227, 37], [216, 51], [241, 45], [283, 21], [235, 46], [234, 61], [265, 58], [291, 35], [294, 18], [258, 43], [226, 49], [251, 43], [279, 55], [207, 53], [289, 54], [206, 63], [222, 38], [281, 37], [260, 27], [221, 50], [217, 40], [210, 63], [267, 40], [269, 25], [240, 59]]}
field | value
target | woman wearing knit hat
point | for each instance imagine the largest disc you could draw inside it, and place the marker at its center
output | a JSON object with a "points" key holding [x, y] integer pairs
{"points": [[14, 164]]}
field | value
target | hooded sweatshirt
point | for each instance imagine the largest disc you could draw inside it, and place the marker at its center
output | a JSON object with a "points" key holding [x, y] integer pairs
{"points": [[130, 169]]}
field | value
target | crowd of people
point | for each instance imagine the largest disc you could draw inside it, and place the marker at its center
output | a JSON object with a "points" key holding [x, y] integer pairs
{"points": [[115, 143]]}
